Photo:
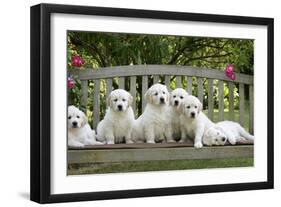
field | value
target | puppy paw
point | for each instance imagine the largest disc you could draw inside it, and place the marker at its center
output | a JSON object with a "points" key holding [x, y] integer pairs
{"points": [[110, 142], [181, 141], [78, 144], [171, 141], [198, 145], [232, 141], [129, 141], [150, 142]]}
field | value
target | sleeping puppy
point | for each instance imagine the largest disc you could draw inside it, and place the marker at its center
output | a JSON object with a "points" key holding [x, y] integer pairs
{"points": [[176, 98], [117, 124], [234, 132], [193, 121], [79, 131], [154, 124], [214, 136]]}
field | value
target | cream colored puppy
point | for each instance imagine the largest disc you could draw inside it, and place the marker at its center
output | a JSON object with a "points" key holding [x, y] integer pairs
{"points": [[154, 125], [116, 127], [79, 131], [214, 136], [176, 98], [193, 121]]}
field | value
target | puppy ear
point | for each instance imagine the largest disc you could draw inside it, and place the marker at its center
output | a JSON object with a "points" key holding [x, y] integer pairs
{"points": [[182, 108], [130, 100], [84, 119], [108, 101], [147, 96], [168, 96], [200, 107]]}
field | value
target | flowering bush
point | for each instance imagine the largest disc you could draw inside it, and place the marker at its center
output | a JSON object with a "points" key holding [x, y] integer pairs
{"points": [[77, 61], [229, 72]]}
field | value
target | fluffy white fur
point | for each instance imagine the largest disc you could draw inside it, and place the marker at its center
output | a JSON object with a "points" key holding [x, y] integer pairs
{"points": [[79, 131], [176, 98], [234, 132], [214, 136], [154, 124], [118, 120], [193, 121]]}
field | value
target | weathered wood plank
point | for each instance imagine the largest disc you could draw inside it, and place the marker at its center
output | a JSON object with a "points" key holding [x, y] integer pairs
{"points": [[84, 88], [96, 103], [108, 86], [221, 100], [211, 99], [121, 83], [133, 92], [167, 81], [189, 85], [180, 153], [241, 104], [155, 79], [178, 81], [251, 117], [140, 70], [143, 90], [231, 100], [200, 89]]}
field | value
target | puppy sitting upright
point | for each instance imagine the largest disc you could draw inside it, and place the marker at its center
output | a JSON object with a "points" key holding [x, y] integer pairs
{"points": [[79, 131], [193, 121], [154, 124], [117, 124], [176, 98]]}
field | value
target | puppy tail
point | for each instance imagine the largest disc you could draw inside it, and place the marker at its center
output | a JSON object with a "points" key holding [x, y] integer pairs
{"points": [[245, 134]]}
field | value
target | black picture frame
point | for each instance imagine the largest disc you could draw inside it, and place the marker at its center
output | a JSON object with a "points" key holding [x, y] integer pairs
{"points": [[41, 98]]}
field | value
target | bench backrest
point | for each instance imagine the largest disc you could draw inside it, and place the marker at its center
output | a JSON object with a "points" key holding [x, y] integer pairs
{"points": [[126, 77]]}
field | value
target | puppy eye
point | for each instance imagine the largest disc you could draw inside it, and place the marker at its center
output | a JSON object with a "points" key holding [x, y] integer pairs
{"points": [[69, 117], [181, 97], [217, 133], [123, 99], [195, 107], [163, 92], [115, 100], [156, 94], [78, 117], [188, 107], [174, 96], [216, 140]]}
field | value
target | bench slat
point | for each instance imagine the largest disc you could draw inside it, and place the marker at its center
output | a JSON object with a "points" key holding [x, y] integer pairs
{"points": [[180, 153], [189, 85], [200, 89], [84, 88], [108, 86], [221, 100], [211, 99], [96, 103], [231, 100], [178, 81], [155, 79], [251, 117], [167, 82], [241, 104], [133, 92], [143, 70], [143, 90], [121, 83]]}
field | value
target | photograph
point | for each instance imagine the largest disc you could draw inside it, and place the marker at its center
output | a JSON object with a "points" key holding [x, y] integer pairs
{"points": [[150, 102]]}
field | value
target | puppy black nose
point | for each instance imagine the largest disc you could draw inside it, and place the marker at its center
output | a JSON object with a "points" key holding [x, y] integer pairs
{"points": [[119, 107], [176, 102], [223, 139], [162, 100], [74, 124], [192, 114]]}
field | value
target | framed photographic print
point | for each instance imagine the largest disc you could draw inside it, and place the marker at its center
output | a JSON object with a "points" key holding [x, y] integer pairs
{"points": [[133, 103]]}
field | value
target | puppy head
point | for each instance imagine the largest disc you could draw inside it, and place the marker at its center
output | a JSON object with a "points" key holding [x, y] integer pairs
{"points": [[191, 106], [157, 95], [177, 96], [119, 100], [214, 136], [75, 117]]}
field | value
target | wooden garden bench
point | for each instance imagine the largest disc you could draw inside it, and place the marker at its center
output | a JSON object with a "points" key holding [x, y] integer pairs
{"points": [[127, 77]]}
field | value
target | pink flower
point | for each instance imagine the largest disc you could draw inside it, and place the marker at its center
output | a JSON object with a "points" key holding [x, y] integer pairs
{"points": [[70, 82], [77, 61], [229, 72]]}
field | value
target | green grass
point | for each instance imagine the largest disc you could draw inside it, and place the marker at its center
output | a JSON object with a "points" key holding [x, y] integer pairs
{"points": [[143, 166]]}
